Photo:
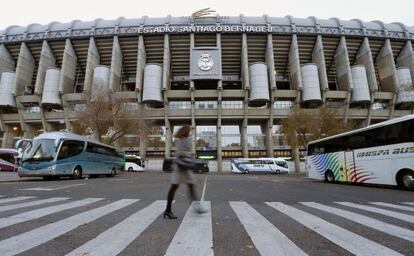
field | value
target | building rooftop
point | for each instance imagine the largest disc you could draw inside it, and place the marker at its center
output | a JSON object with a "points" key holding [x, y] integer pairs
{"points": [[287, 24]]}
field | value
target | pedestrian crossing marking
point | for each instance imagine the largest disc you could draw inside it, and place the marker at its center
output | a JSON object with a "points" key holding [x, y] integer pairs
{"points": [[38, 236], [266, 237], [51, 188], [396, 215], [195, 234], [366, 221], [14, 199], [35, 214], [33, 203], [122, 234], [401, 207], [348, 240], [409, 203]]}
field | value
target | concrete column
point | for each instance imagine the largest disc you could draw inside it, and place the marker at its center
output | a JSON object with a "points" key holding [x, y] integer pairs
{"points": [[30, 132], [245, 149], [364, 57], [386, 68], [294, 65], [2, 124], [192, 45], [115, 72], [168, 137], [406, 58], [7, 139], [141, 60], [269, 137], [92, 61], [369, 117], [166, 62], [245, 63], [318, 58], [20, 112], [246, 83], [24, 70], [219, 115], [47, 60], [270, 61], [68, 70], [7, 62], [392, 105], [192, 89], [218, 129], [193, 122], [348, 102], [46, 126], [343, 67], [66, 110]]}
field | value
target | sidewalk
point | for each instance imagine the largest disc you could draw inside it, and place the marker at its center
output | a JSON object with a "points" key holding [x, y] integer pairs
{"points": [[12, 176]]}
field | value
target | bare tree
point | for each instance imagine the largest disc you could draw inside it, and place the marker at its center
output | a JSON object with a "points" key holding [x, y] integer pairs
{"points": [[109, 119], [305, 125]]}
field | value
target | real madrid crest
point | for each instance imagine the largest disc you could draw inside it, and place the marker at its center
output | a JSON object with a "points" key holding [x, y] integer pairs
{"points": [[205, 62]]}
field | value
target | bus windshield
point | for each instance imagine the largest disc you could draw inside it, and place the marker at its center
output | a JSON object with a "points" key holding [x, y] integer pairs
{"points": [[40, 150]]}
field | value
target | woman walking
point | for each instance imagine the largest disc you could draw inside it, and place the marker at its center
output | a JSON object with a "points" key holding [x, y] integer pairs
{"points": [[182, 170]]}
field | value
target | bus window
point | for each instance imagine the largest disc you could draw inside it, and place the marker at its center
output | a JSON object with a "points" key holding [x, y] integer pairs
{"points": [[70, 148]]}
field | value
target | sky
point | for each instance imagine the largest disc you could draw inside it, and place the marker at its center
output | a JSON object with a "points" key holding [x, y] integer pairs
{"points": [[25, 12]]}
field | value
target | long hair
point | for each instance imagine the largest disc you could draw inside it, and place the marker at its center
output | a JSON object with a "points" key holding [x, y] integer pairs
{"points": [[183, 132]]}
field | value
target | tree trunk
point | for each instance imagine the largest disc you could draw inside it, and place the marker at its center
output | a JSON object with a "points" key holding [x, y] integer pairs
{"points": [[296, 155]]}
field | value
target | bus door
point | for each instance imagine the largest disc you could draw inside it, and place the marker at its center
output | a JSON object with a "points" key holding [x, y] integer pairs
{"points": [[348, 166]]}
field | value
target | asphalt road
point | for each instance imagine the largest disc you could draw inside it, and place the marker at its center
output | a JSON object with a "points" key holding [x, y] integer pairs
{"points": [[106, 215]]}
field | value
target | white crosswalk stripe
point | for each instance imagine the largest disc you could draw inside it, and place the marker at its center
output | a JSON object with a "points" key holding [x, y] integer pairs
{"points": [[409, 203], [35, 214], [396, 206], [267, 238], [348, 240], [15, 199], [396, 215], [33, 203], [117, 238], [38, 236], [366, 221], [195, 234], [51, 188]]}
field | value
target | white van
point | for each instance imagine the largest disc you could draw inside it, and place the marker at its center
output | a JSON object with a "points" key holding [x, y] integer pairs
{"points": [[249, 165], [133, 163]]}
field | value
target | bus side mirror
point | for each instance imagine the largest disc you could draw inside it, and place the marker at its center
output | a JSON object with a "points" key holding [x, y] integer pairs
{"points": [[22, 144]]}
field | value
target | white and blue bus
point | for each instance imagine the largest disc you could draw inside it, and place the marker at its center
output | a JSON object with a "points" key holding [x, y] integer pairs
{"points": [[382, 153], [65, 154], [259, 165]]}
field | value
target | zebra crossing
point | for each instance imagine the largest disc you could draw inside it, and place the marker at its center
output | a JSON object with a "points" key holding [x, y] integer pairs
{"points": [[195, 232]]}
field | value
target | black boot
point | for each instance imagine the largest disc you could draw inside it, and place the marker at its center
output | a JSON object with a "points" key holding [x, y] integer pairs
{"points": [[170, 215]]}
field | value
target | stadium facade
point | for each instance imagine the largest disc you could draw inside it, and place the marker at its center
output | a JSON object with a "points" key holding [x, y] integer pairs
{"points": [[233, 79]]}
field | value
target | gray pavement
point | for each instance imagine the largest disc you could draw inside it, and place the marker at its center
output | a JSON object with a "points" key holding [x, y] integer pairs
{"points": [[248, 215]]}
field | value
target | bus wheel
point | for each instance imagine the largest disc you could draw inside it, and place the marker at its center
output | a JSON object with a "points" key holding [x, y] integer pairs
{"points": [[77, 173], [405, 179], [329, 176], [246, 171], [130, 169]]}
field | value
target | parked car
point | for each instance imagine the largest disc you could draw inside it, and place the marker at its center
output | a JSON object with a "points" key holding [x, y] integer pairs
{"points": [[202, 165]]}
